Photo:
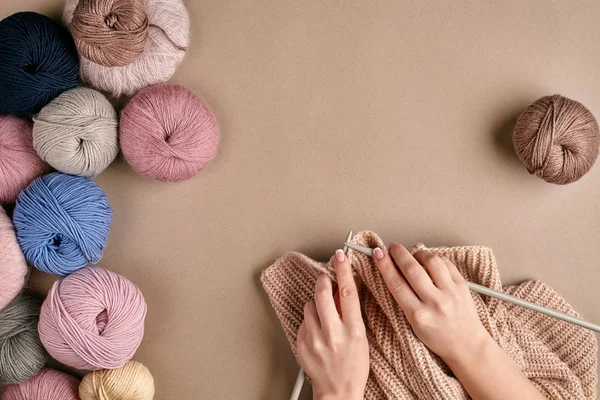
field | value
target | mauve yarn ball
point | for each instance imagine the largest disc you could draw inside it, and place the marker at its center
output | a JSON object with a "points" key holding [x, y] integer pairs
{"points": [[19, 163], [93, 319], [557, 139], [13, 267], [48, 384], [133, 381], [168, 36], [21, 352], [62, 223], [110, 32], [38, 61], [168, 133], [77, 132]]}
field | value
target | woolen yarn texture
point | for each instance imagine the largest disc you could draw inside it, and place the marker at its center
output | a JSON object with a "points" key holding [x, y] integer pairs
{"points": [[557, 139], [168, 133], [21, 352], [62, 223], [48, 384], [557, 357], [13, 267], [133, 381], [19, 163], [167, 42], [38, 61], [110, 32], [77, 132], [93, 319]]}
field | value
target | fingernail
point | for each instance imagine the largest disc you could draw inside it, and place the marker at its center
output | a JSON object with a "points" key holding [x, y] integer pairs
{"points": [[377, 253], [339, 255], [392, 244]]}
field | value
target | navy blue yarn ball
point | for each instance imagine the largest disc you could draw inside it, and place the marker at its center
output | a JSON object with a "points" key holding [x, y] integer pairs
{"points": [[38, 61], [62, 223]]}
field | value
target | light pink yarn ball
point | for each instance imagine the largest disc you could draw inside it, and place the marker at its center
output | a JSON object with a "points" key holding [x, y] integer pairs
{"points": [[93, 319], [13, 267], [168, 133], [48, 384], [19, 163]]}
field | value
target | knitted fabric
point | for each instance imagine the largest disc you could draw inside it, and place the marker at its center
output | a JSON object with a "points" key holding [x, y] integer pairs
{"points": [[557, 357]]}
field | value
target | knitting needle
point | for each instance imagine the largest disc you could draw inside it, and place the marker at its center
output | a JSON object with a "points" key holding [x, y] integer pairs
{"points": [[506, 297], [300, 379]]}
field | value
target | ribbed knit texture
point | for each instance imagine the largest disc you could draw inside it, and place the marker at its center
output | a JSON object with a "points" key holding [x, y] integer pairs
{"points": [[558, 358]]}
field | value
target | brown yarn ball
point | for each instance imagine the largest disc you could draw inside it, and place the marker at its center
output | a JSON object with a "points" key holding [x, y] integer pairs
{"points": [[110, 32], [557, 139]]}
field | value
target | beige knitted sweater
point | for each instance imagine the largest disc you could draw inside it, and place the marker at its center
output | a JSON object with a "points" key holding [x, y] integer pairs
{"points": [[559, 358]]}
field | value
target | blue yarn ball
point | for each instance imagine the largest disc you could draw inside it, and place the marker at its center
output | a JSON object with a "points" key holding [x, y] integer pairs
{"points": [[62, 223], [38, 61]]}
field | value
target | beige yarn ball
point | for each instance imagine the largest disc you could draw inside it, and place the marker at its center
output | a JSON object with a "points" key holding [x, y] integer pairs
{"points": [[77, 133], [133, 381], [168, 36]]}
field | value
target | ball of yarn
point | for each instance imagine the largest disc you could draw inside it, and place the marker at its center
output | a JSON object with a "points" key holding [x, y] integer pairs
{"points": [[38, 61], [77, 132], [110, 32], [13, 267], [62, 223], [21, 352], [133, 381], [168, 40], [93, 319], [557, 139], [48, 384], [168, 133], [19, 163]]}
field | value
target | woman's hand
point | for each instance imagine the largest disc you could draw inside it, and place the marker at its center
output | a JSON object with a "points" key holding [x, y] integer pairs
{"points": [[435, 298], [332, 344]]}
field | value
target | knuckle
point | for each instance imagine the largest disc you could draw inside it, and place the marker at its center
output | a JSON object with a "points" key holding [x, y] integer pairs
{"points": [[412, 269], [348, 292], [308, 307], [420, 317], [434, 261], [396, 285], [357, 332], [322, 294]]}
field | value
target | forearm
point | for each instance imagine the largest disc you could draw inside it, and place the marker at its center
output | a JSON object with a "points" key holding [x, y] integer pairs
{"points": [[488, 373]]}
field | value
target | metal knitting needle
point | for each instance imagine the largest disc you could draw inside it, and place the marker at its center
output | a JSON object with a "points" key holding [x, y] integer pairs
{"points": [[300, 379], [506, 297]]}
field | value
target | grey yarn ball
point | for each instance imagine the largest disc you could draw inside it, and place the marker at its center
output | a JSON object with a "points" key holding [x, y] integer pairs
{"points": [[22, 355], [76, 133]]}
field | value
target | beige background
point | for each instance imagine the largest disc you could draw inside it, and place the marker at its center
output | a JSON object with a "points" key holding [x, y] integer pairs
{"points": [[393, 116]]}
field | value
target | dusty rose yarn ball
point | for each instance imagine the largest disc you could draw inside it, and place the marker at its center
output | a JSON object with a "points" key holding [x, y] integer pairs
{"points": [[19, 163], [557, 139], [168, 133], [13, 267], [92, 319], [48, 384]]}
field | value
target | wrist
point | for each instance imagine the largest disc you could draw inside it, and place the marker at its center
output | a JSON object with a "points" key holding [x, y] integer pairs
{"points": [[477, 349], [338, 396]]}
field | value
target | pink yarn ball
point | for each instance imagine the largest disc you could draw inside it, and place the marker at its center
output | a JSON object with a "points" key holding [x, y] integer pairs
{"points": [[19, 163], [48, 384], [168, 133], [92, 319], [13, 267]]}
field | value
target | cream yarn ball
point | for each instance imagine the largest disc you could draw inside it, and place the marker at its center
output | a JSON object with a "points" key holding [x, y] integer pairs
{"points": [[133, 381], [165, 47], [77, 133]]}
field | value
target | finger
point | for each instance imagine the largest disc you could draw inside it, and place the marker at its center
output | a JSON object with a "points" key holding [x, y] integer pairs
{"points": [[328, 315], [453, 271], [413, 272], [301, 333], [311, 317], [348, 292], [436, 268], [397, 285]]}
